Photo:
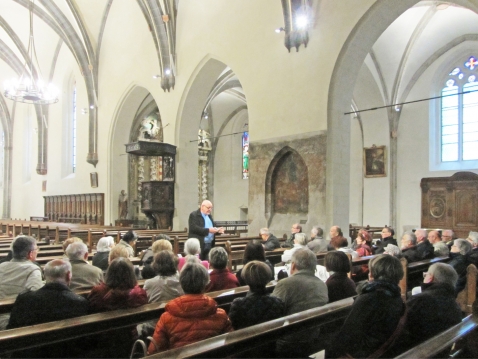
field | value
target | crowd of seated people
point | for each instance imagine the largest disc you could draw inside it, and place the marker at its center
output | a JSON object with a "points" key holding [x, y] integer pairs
{"points": [[191, 315]]}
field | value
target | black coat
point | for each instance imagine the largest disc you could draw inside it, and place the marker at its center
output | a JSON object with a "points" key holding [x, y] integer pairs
{"points": [[420, 252], [340, 286], [54, 301], [372, 320], [383, 243], [100, 260], [271, 243], [255, 308], [196, 227]]}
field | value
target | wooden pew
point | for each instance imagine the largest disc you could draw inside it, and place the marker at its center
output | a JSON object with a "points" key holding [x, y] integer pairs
{"points": [[70, 329], [467, 296]]}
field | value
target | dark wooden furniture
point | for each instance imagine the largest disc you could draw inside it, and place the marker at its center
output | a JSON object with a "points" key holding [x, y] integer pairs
{"points": [[450, 203], [86, 208]]}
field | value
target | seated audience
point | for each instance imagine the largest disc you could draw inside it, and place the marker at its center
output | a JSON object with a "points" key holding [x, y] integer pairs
{"points": [[254, 252], [269, 241], [54, 301], [20, 274], [164, 287], [435, 309], [128, 241], [289, 242], [441, 249], [387, 238], [473, 255], [191, 317], [317, 243], [120, 289], [117, 252], [364, 244], [300, 241], [459, 255], [221, 277], [415, 250], [257, 306], [103, 248], [393, 250], [158, 246], [375, 314], [341, 244], [339, 285], [192, 247], [84, 275], [448, 236], [149, 253], [299, 292], [67, 242], [336, 236]]}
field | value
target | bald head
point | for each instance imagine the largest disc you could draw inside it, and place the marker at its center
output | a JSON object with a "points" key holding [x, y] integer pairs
{"points": [[58, 271], [206, 207], [421, 235]]}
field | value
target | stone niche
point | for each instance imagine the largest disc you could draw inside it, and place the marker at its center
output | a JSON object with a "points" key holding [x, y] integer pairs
{"points": [[287, 183]]}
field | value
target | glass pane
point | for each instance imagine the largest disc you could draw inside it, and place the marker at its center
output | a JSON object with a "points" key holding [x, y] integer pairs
{"points": [[449, 130], [455, 71], [449, 139], [449, 152], [470, 151], [470, 137], [449, 117], [470, 127]]}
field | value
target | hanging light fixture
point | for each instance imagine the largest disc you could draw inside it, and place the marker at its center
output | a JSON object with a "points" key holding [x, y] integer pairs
{"points": [[30, 87]]}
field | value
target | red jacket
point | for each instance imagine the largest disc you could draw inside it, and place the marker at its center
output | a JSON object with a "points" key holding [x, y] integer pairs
{"points": [[222, 279], [103, 298], [188, 319]]}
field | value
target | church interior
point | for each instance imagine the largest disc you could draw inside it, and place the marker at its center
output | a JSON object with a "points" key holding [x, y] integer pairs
{"points": [[300, 111]]}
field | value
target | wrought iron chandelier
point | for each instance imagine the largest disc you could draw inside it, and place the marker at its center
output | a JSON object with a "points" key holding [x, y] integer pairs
{"points": [[30, 87]]}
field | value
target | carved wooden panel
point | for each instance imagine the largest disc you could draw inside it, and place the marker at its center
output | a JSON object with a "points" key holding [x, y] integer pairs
{"points": [[451, 203], [76, 208]]}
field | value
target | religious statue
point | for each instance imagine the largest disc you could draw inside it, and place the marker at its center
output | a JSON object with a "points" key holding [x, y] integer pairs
{"points": [[123, 205], [149, 128]]}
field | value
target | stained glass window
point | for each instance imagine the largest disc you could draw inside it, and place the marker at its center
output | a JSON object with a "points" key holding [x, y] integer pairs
{"points": [[459, 114], [245, 155]]}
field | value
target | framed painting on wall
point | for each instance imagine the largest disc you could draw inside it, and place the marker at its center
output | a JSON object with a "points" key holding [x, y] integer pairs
{"points": [[374, 161]]}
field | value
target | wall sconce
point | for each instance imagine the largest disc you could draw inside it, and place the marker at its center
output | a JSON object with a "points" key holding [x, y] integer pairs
{"points": [[297, 21]]}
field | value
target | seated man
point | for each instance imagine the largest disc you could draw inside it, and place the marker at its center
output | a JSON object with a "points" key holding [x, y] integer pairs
{"points": [[84, 275], [54, 301], [299, 292], [317, 242], [269, 241], [289, 243], [387, 238], [413, 249], [127, 241], [20, 273], [439, 247], [435, 309]]}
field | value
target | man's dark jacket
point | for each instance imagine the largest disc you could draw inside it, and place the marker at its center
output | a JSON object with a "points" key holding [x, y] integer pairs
{"points": [[271, 243], [423, 250], [52, 302], [196, 227]]}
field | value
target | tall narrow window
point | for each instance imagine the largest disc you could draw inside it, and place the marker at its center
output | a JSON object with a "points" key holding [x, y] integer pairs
{"points": [[459, 114], [73, 134], [245, 155]]}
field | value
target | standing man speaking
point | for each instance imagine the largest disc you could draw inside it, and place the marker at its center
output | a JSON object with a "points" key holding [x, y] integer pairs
{"points": [[201, 226]]}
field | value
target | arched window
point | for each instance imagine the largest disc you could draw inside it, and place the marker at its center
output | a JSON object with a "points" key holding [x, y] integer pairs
{"points": [[459, 115]]}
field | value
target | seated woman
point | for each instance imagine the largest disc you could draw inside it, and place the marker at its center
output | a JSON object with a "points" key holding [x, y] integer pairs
{"points": [[300, 241], [103, 248], [164, 287], [338, 284], [149, 253], [158, 246], [364, 242], [128, 241], [257, 306], [120, 289], [221, 277], [460, 260], [254, 252], [191, 248], [375, 314], [191, 317]]}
